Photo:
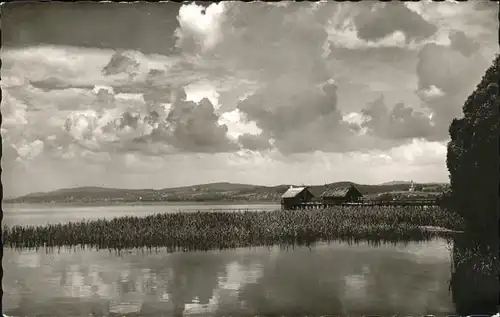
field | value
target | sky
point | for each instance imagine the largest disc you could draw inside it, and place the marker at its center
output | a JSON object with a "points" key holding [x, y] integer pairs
{"points": [[156, 95]]}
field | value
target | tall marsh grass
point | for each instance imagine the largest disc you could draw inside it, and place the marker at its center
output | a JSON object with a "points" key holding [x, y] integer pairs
{"points": [[221, 230]]}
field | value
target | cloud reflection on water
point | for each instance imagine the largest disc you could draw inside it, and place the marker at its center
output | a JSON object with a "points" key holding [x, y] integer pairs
{"points": [[332, 278]]}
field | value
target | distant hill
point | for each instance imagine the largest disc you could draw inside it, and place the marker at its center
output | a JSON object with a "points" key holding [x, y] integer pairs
{"points": [[223, 191], [222, 186], [397, 183], [408, 183]]}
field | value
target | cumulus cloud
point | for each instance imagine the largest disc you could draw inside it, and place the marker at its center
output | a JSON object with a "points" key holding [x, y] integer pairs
{"points": [[421, 151], [13, 111], [281, 50], [134, 108], [30, 150], [260, 39], [382, 20], [274, 85], [19, 141], [200, 27], [430, 93], [238, 124], [180, 126], [105, 96], [197, 127], [199, 90], [288, 106]]}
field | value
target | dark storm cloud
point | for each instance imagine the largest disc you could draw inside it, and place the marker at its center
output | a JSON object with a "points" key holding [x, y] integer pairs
{"points": [[399, 123], [460, 42], [300, 122], [254, 142], [489, 6], [390, 54], [150, 90], [453, 71], [121, 62], [52, 83], [142, 26], [153, 85], [9, 153], [294, 112], [446, 76], [387, 18], [128, 120]]}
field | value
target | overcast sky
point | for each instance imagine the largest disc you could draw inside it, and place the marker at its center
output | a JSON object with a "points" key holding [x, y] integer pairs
{"points": [[154, 95]]}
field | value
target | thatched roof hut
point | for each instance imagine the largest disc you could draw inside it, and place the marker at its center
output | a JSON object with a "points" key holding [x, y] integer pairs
{"points": [[340, 194], [295, 196]]}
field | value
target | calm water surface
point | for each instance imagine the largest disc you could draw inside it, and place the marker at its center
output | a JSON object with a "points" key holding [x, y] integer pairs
{"points": [[331, 278], [36, 214], [327, 279]]}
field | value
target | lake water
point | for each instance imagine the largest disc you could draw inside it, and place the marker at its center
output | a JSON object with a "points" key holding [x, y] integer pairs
{"points": [[326, 279], [36, 214]]}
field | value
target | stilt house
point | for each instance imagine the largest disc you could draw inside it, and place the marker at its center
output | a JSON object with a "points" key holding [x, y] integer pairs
{"points": [[295, 196], [337, 196]]}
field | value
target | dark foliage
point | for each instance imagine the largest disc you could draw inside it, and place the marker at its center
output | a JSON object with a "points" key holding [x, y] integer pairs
{"points": [[473, 156], [475, 277], [472, 160]]}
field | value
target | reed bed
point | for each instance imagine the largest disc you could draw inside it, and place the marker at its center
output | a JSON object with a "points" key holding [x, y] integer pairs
{"points": [[222, 230]]}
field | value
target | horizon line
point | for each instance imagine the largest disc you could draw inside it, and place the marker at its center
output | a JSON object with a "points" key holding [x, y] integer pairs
{"points": [[225, 182]]}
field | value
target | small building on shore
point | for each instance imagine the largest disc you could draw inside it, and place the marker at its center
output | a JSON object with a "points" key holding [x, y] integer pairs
{"points": [[295, 196], [340, 195]]}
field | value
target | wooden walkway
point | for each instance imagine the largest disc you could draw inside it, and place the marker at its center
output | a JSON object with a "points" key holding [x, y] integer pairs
{"points": [[319, 205], [226, 209], [426, 202]]}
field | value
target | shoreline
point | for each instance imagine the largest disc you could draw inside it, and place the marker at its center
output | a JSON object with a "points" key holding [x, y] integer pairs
{"points": [[159, 203], [441, 229]]}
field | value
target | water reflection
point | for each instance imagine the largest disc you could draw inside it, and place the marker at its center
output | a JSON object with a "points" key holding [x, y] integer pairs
{"points": [[331, 279], [475, 276]]}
